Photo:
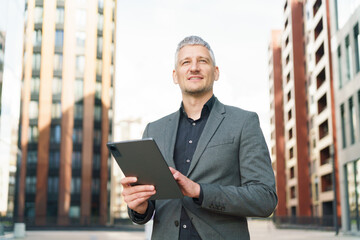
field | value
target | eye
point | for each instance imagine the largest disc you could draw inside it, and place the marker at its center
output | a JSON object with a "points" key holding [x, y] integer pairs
{"points": [[185, 62], [203, 61]]}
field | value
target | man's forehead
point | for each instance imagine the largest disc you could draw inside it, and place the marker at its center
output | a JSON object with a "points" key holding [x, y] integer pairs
{"points": [[193, 50]]}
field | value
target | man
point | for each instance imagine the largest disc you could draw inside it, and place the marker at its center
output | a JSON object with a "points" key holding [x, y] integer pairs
{"points": [[217, 154]]}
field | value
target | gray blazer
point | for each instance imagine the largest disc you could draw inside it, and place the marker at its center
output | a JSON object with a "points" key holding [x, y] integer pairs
{"points": [[232, 164]]}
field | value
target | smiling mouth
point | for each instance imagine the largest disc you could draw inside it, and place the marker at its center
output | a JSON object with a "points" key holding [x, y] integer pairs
{"points": [[195, 78]]}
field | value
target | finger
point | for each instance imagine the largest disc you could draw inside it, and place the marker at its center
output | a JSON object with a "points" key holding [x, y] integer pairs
{"points": [[172, 170], [128, 180], [130, 199], [129, 190]]}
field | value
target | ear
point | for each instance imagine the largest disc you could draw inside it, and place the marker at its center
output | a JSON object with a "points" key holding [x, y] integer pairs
{"points": [[217, 73], [175, 77]]}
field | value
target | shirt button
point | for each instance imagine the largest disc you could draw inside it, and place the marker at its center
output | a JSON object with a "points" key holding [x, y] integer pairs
{"points": [[193, 124], [188, 160], [190, 141], [184, 226], [176, 223]]}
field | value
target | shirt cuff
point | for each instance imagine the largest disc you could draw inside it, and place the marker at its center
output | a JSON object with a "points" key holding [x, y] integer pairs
{"points": [[199, 200]]}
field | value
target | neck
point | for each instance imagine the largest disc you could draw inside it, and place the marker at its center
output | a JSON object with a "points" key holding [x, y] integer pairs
{"points": [[193, 104]]}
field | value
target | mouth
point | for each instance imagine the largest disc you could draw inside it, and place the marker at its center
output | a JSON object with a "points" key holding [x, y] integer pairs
{"points": [[195, 78]]}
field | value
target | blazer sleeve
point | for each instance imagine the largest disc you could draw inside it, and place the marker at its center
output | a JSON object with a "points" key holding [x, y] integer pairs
{"points": [[256, 195], [143, 218]]}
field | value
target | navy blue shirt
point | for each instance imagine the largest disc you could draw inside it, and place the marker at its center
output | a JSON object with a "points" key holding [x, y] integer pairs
{"points": [[187, 138]]}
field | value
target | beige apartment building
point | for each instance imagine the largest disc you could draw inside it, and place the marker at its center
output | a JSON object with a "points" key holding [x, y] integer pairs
{"points": [[320, 108], [66, 114], [302, 115]]}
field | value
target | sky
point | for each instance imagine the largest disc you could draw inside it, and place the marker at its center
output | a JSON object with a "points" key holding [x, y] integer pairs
{"points": [[148, 32]]}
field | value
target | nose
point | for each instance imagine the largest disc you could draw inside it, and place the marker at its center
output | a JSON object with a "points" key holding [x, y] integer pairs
{"points": [[194, 67]]}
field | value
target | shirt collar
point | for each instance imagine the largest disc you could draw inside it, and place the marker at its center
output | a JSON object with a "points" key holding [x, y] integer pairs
{"points": [[207, 106]]}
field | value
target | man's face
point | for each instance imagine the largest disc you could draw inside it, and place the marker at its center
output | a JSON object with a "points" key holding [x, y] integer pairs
{"points": [[195, 72]]}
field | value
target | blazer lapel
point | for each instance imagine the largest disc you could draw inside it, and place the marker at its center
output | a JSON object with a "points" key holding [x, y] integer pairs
{"points": [[214, 121], [170, 137]]}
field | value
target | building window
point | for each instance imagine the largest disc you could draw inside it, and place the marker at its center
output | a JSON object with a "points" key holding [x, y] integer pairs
{"points": [[322, 104], [36, 62], [37, 35], [56, 110], [291, 153], [78, 111], [325, 156], [292, 192], [99, 47], [326, 183], [348, 58], [318, 29], [80, 63], [79, 89], [100, 22], [99, 67], [31, 159], [97, 136], [97, 113], [352, 119], [38, 14], [339, 66], [292, 172], [76, 160], [59, 15], [290, 134], [343, 129], [352, 179], [53, 183], [33, 134], [316, 6], [33, 110], [289, 96], [98, 90], [59, 38], [55, 134], [319, 53], [34, 85], [56, 86], [77, 135], [54, 159], [30, 184], [80, 38], [358, 94], [320, 78], [75, 185], [357, 47], [95, 188], [289, 114], [323, 129], [58, 62], [81, 18], [101, 4]]}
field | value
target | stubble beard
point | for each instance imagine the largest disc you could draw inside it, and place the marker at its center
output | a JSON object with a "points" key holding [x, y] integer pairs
{"points": [[198, 92]]}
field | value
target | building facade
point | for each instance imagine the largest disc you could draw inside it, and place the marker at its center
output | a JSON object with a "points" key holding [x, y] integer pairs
{"points": [[295, 115], [321, 125], [66, 112], [277, 141], [302, 111], [345, 53]]}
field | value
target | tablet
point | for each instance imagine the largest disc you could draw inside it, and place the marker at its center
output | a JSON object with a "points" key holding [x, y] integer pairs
{"points": [[143, 159]]}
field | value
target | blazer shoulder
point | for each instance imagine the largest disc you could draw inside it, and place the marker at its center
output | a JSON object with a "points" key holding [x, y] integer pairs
{"points": [[164, 119], [239, 112]]}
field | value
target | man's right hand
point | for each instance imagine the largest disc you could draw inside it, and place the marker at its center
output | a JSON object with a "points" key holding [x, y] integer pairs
{"points": [[136, 197]]}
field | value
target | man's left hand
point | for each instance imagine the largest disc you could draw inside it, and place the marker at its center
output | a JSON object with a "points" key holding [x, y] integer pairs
{"points": [[188, 187]]}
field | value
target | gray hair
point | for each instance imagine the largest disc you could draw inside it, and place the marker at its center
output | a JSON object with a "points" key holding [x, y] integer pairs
{"points": [[194, 40]]}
